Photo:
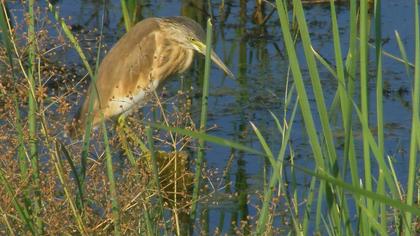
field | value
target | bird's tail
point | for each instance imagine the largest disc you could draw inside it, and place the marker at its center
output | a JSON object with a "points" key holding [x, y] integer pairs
{"points": [[77, 125]]}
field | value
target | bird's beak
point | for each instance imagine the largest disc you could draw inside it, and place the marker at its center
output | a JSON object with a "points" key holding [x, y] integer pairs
{"points": [[201, 48]]}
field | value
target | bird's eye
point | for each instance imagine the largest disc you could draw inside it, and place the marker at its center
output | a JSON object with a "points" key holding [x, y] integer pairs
{"points": [[192, 39]]}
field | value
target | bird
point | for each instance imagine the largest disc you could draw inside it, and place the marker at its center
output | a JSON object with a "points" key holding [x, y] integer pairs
{"points": [[144, 58]]}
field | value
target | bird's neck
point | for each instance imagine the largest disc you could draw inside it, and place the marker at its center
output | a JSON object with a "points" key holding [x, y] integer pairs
{"points": [[188, 58]]}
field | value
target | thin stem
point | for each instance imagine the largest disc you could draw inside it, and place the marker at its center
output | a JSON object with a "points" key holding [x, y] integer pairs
{"points": [[203, 122]]}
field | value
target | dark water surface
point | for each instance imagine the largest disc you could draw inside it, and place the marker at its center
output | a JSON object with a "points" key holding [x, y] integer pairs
{"points": [[257, 57]]}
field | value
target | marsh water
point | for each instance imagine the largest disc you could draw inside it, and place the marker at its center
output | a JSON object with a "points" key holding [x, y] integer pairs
{"points": [[254, 52]]}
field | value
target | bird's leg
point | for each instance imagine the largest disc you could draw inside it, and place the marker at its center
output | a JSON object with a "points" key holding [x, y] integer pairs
{"points": [[120, 126], [121, 121], [120, 129], [124, 131]]}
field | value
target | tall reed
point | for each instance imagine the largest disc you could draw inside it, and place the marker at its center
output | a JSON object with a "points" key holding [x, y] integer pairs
{"points": [[203, 121], [115, 208], [86, 137], [415, 124], [155, 170], [32, 119], [23, 210]]}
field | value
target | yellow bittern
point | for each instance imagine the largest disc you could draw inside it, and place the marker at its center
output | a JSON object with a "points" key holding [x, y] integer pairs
{"points": [[153, 50]]}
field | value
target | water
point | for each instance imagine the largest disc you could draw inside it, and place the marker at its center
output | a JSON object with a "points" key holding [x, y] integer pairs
{"points": [[257, 57]]}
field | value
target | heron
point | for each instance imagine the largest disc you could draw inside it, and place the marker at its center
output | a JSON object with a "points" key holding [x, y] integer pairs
{"points": [[152, 51]]}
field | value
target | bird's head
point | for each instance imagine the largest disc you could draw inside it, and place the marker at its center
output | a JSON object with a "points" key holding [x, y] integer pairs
{"points": [[190, 34]]}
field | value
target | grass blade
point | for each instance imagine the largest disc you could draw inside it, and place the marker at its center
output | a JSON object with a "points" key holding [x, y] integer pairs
{"points": [[33, 149], [361, 191], [364, 62], [209, 138], [126, 15], [415, 125], [264, 144], [112, 184], [7, 40], [379, 104], [155, 173], [60, 173], [70, 36], [275, 177], [79, 183], [203, 121]]}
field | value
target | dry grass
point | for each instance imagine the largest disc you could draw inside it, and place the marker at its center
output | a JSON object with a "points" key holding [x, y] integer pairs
{"points": [[60, 86]]}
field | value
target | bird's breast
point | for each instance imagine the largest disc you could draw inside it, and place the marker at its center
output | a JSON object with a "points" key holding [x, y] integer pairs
{"points": [[124, 103]]}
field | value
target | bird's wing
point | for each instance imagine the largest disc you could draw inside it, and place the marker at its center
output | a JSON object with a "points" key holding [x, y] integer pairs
{"points": [[126, 64]]}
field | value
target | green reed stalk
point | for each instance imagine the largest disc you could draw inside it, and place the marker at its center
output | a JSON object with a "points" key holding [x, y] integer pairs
{"points": [[22, 211], [109, 166], [415, 125], [345, 111], [375, 150], [8, 43], [92, 92], [350, 68], [318, 212], [149, 228], [297, 75], [307, 214], [399, 192], [345, 93], [7, 223], [209, 138], [203, 122], [86, 142], [404, 56], [364, 62], [276, 176], [112, 185], [74, 42], [340, 71], [32, 119], [126, 15], [155, 170], [300, 87], [334, 199], [79, 202], [361, 191], [379, 105], [60, 172], [76, 208], [363, 32], [6, 34], [316, 83]]}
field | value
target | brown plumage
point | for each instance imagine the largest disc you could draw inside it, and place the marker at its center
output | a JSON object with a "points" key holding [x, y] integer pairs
{"points": [[139, 62]]}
